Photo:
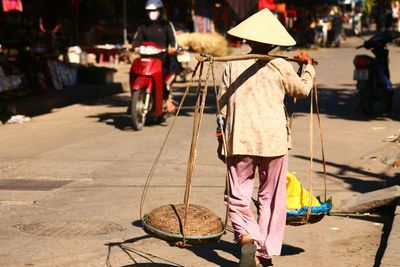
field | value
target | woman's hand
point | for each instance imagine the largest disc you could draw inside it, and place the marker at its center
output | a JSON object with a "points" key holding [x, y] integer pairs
{"points": [[303, 56], [171, 51]]}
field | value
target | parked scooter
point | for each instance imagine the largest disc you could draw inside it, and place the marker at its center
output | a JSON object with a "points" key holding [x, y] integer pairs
{"points": [[372, 73], [147, 85], [182, 68]]}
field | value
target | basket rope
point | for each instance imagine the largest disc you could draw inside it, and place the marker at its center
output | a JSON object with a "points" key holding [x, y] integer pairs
{"points": [[201, 96], [314, 97], [228, 173], [311, 128], [199, 111], [157, 158], [197, 121], [321, 135]]}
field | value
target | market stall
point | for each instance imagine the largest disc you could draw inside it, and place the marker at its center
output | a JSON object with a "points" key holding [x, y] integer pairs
{"points": [[29, 51]]}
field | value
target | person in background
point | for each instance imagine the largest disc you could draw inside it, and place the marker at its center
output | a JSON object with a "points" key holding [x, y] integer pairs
{"points": [[395, 15], [388, 16], [253, 119], [379, 15], [337, 23], [158, 30]]}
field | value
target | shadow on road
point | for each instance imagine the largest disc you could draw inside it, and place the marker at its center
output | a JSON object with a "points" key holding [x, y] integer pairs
{"points": [[134, 253], [358, 185], [343, 103], [209, 252], [150, 264], [385, 218], [122, 120]]}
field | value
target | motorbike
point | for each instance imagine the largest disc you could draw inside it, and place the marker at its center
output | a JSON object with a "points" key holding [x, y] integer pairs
{"points": [[372, 73], [147, 85]]}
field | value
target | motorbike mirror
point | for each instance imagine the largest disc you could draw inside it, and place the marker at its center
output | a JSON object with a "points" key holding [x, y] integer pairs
{"points": [[360, 46]]}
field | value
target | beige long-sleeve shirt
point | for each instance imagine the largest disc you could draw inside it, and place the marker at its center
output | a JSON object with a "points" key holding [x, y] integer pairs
{"points": [[251, 99]]}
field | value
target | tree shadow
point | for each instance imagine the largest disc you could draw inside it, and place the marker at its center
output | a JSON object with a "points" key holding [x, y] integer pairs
{"points": [[385, 217], [385, 214], [343, 103], [340, 102], [122, 120], [387, 227], [121, 100], [358, 185]]}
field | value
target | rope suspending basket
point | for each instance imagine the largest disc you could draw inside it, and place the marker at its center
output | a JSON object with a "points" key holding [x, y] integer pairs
{"points": [[298, 203], [311, 209], [185, 224], [189, 224]]}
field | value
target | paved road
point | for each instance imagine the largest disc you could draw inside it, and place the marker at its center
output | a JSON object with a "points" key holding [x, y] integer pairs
{"points": [[71, 180]]}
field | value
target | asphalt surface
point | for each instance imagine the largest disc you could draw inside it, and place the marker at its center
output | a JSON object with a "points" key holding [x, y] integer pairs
{"points": [[72, 179]]}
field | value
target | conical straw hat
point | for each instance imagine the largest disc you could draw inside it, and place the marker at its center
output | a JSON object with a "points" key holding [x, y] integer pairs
{"points": [[263, 27]]}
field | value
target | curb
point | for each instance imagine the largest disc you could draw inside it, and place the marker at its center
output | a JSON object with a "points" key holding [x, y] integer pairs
{"points": [[44, 103], [391, 256]]}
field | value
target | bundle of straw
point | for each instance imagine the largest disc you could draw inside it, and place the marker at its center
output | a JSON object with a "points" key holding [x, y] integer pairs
{"points": [[209, 43]]}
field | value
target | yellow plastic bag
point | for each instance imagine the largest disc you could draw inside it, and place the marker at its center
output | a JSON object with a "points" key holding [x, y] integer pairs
{"points": [[296, 195]]}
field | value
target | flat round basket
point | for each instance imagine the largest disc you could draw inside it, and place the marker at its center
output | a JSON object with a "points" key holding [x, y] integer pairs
{"points": [[166, 222], [299, 217]]}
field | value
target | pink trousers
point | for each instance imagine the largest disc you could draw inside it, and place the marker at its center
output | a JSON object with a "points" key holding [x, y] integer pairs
{"points": [[268, 228]]}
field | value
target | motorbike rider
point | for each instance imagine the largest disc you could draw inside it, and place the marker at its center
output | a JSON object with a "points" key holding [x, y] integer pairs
{"points": [[377, 45], [376, 84], [381, 57], [158, 30]]}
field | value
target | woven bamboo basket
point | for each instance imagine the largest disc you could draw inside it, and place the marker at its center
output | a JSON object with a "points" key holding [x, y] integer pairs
{"points": [[166, 222], [299, 217]]}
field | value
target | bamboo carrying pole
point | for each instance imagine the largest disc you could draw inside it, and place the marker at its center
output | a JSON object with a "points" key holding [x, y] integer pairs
{"points": [[204, 57]]}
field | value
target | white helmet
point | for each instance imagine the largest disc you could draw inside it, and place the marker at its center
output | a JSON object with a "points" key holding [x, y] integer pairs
{"points": [[154, 4]]}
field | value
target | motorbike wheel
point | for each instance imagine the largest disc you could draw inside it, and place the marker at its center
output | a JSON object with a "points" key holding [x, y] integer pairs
{"points": [[388, 101], [365, 101], [366, 106], [138, 109]]}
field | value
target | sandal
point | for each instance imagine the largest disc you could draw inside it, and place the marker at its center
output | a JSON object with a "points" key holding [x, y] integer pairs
{"points": [[247, 259]]}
